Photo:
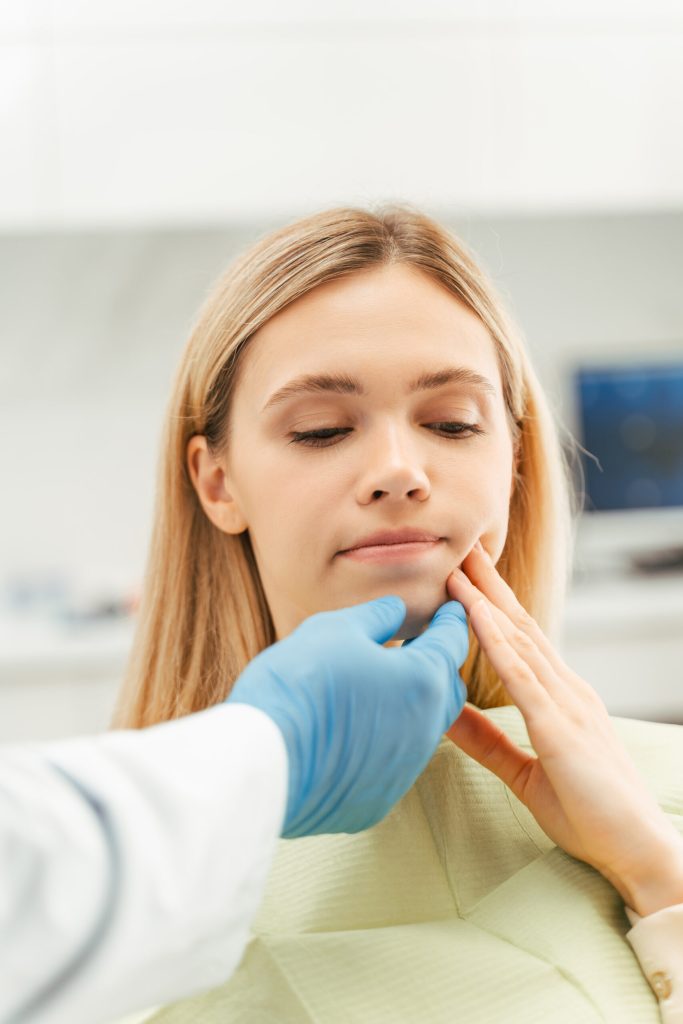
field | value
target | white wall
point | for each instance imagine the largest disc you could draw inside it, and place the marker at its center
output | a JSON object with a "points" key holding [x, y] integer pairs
{"points": [[150, 111]]}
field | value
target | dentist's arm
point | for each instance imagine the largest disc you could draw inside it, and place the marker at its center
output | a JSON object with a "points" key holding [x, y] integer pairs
{"points": [[132, 864]]}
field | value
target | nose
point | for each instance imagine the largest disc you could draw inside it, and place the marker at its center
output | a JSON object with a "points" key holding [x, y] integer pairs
{"points": [[392, 469]]}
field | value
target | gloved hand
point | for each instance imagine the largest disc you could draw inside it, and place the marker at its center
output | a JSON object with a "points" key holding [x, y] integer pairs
{"points": [[360, 721]]}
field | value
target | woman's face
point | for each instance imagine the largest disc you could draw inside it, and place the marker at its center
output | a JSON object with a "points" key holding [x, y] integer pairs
{"points": [[393, 463]]}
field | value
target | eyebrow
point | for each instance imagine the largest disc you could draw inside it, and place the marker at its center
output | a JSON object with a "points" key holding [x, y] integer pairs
{"points": [[343, 384]]}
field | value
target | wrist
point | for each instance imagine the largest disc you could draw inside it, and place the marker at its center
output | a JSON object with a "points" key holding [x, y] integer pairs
{"points": [[658, 883]]}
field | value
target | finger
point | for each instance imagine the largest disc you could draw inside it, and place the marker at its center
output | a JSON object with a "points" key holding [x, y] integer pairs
{"points": [[461, 587], [446, 640], [486, 742], [518, 677], [479, 567], [380, 619], [483, 573]]}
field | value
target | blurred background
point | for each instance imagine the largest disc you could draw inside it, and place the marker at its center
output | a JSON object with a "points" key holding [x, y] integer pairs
{"points": [[145, 143]]}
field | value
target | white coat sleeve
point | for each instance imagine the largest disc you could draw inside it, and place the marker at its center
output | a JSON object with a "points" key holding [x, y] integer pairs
{"points": [[657, 941], [133, 863]]}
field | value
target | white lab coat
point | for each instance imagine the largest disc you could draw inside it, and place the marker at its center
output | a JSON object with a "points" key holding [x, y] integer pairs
{"points": [[132, 863]]}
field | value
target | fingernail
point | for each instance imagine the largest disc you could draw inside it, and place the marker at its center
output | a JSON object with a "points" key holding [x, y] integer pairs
{"points": [[481, 550]]}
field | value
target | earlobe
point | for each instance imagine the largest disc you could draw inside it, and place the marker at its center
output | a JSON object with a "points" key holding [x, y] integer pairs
{"points": [[211, 486]]}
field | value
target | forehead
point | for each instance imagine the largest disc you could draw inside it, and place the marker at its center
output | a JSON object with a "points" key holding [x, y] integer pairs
{"points": [[381, 325]]}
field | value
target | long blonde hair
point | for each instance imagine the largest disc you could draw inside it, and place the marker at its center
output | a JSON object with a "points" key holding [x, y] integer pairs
{"points": [[203, 613]]}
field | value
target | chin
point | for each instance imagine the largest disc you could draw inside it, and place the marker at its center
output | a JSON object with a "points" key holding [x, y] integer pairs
{"points": [[413, 625], [419, 614], [422, 600]]}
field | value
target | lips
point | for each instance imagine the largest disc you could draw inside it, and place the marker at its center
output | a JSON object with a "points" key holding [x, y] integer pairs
{"points": [[405, 535]]}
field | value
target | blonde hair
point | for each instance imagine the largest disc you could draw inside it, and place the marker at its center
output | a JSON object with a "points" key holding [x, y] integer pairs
{"points": [[203, 613]]}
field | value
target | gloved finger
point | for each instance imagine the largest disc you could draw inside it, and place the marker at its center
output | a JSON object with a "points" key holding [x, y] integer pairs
{"points": [[380, 618], [455, 702], [447, 634]]}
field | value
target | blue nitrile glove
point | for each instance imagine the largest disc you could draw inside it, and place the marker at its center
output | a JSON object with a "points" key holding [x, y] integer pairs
{"points": [[360, 721]]}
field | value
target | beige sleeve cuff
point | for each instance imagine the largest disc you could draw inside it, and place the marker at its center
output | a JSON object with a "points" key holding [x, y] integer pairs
{"points": [[657, 941]]}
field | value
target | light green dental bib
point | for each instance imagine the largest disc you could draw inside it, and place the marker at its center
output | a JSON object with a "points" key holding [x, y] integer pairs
{"points": [[456, 908]]}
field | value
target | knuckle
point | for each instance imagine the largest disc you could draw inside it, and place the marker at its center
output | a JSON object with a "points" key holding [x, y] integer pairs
{"points": [[592, 696], [523, 640], [499, 641], [525, 675], [523, 620]]}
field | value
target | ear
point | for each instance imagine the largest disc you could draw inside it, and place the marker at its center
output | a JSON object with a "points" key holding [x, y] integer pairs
{"points": [[212, 486]]}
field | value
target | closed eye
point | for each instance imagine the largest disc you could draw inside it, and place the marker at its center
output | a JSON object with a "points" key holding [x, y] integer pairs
{"points": [[318, 438]]}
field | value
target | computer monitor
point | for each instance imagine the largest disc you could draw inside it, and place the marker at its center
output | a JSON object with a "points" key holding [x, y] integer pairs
{"points": [[628, 416], [631, 420]]}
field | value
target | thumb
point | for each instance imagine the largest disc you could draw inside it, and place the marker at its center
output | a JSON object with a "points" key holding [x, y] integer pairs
{"points": [[380, 618], [447, 635]]}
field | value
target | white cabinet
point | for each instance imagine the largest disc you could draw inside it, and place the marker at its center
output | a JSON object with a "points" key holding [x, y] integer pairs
{"points": [[625, 637], [54, 683]]}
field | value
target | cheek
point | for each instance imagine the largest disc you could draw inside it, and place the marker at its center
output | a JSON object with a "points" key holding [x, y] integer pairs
{"points": [[498, 502], [289, 510], [481, 490], [497, 488], [497, 513]]}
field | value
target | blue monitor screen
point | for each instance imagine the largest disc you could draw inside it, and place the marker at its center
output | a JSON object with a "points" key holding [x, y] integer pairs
{"points": [[631, 420]]}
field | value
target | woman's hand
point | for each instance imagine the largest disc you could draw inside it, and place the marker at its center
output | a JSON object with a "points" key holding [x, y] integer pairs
{"points": [[582, 787]]}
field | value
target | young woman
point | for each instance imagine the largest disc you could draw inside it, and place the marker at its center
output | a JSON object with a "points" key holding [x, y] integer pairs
{"points": [[355, 373]]}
